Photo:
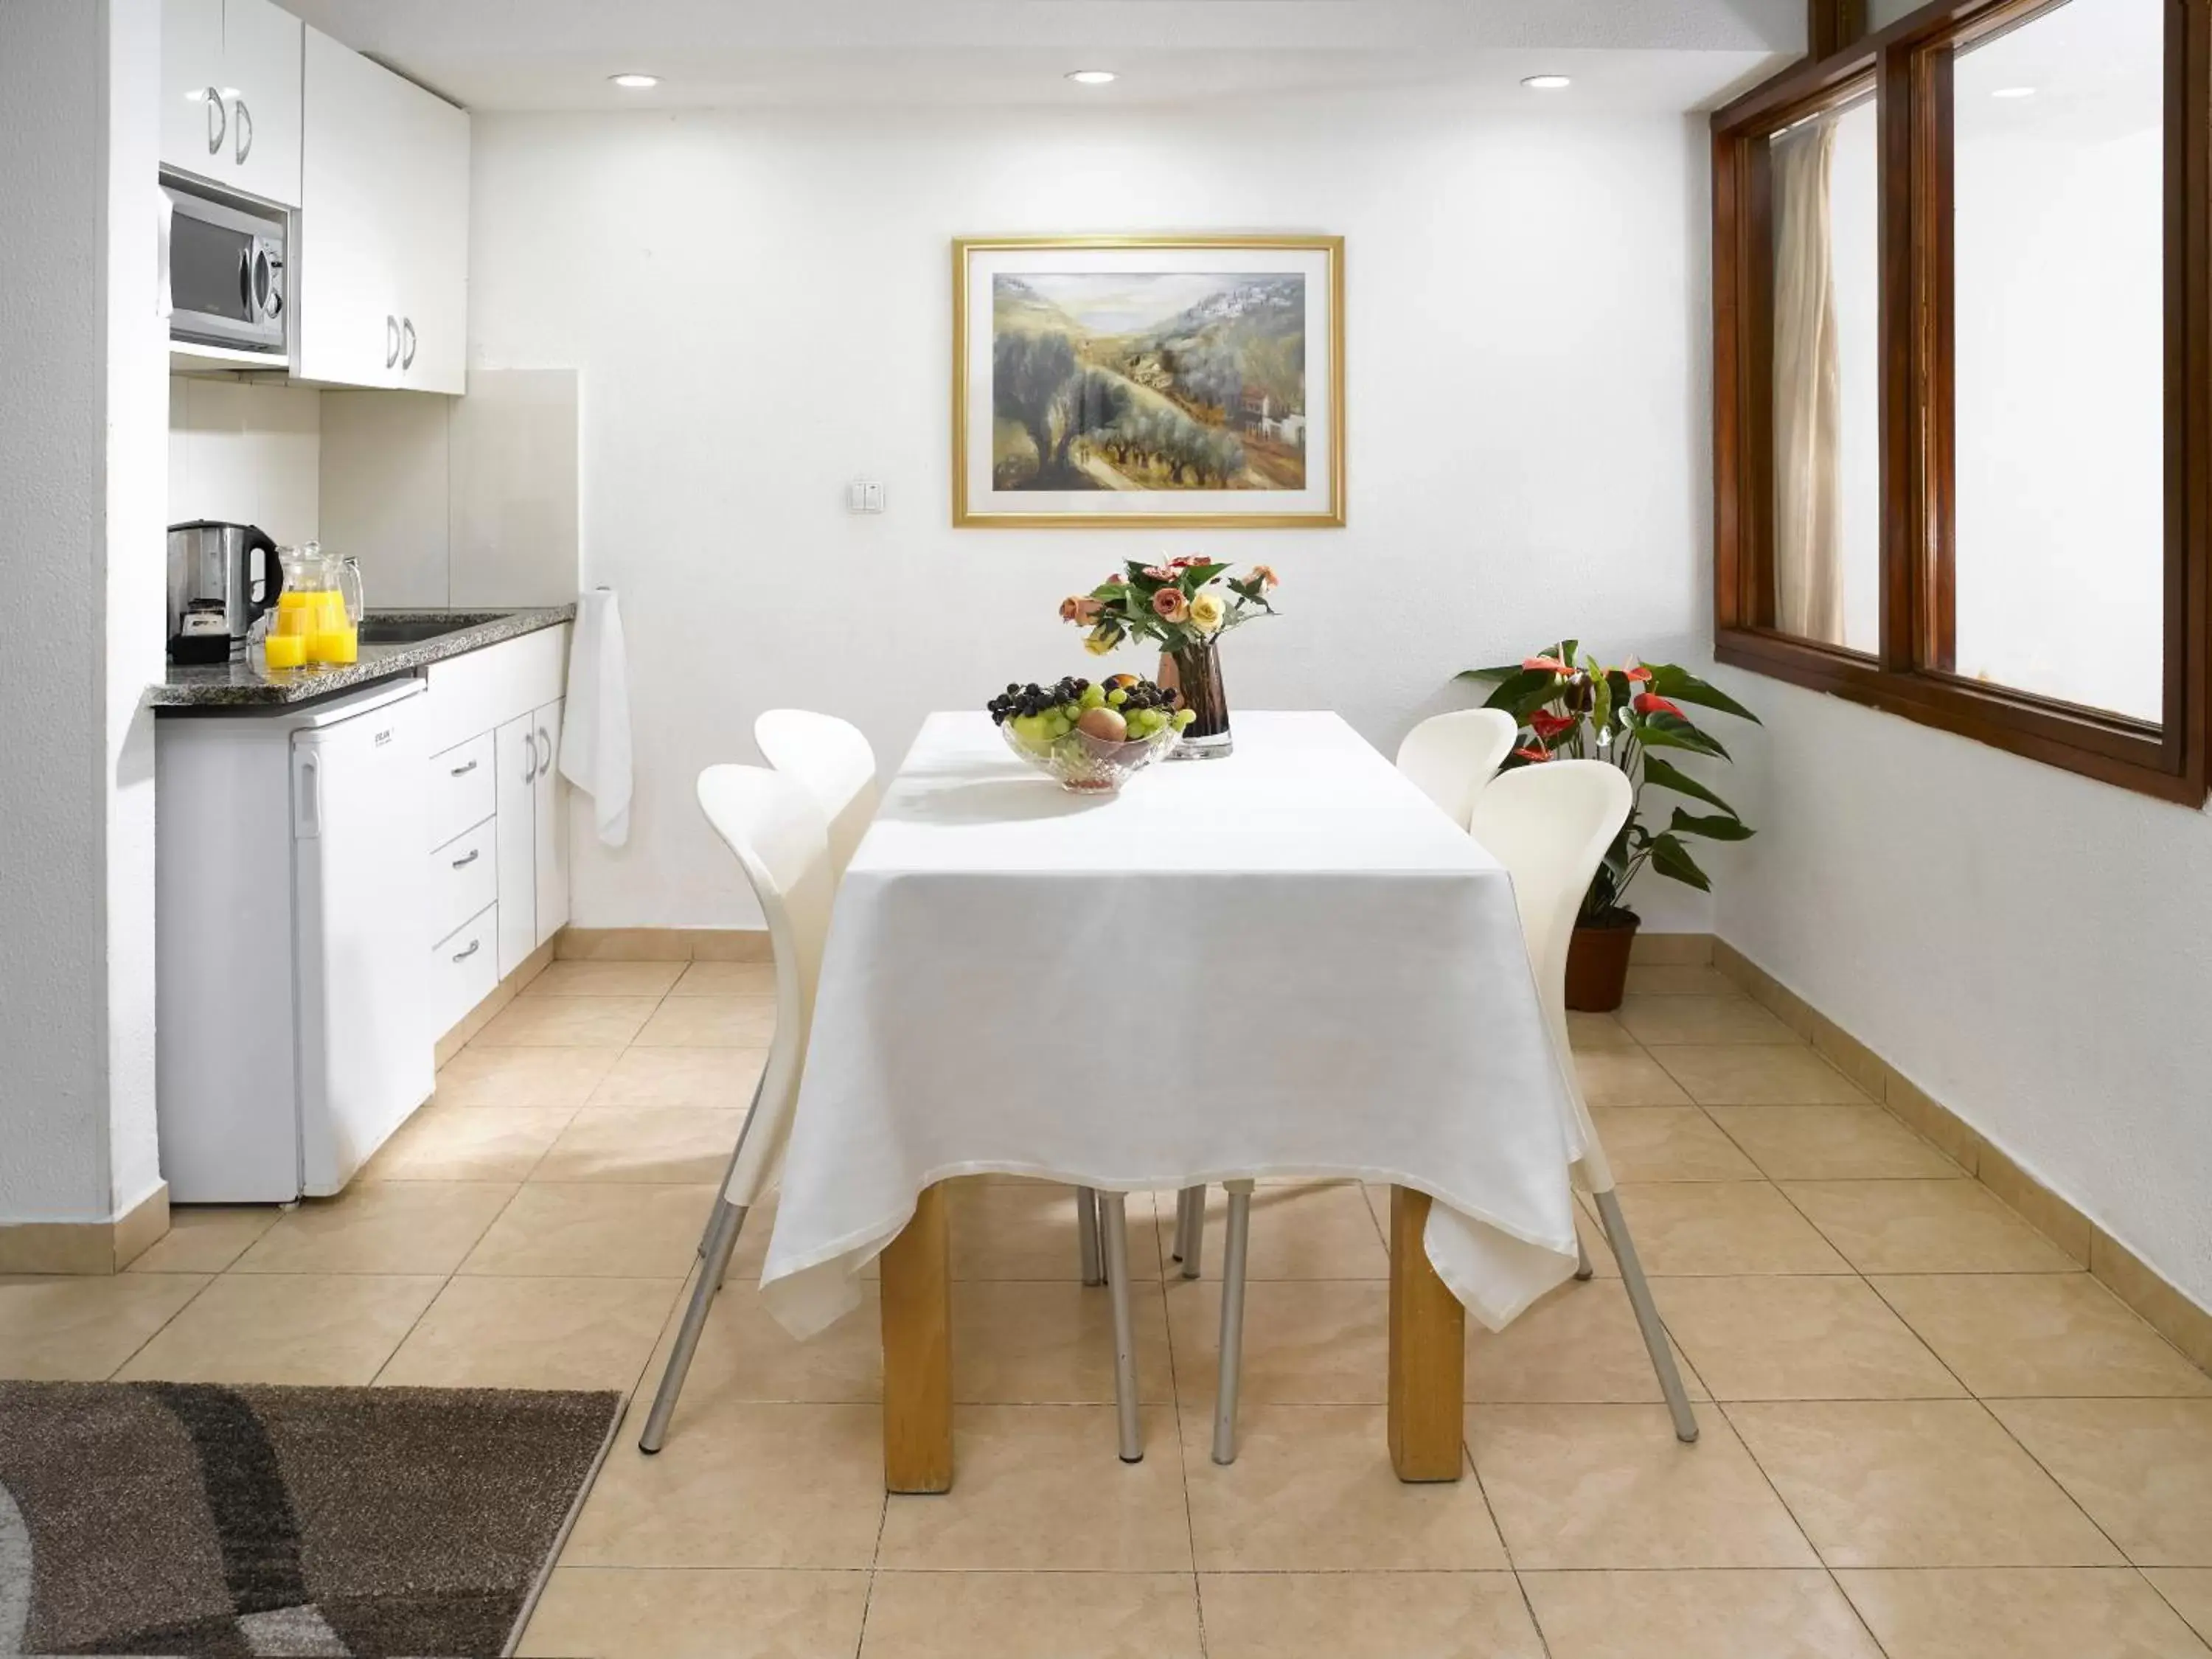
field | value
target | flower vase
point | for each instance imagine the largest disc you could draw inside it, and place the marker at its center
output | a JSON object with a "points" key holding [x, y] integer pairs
{"points": [[1195, 674]]}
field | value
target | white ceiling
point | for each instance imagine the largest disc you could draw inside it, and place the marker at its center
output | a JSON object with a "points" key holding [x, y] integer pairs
{"points": [[557, 54]]}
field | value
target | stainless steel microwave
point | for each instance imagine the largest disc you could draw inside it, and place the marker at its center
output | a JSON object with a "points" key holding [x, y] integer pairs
{"points": [[227, 269]]}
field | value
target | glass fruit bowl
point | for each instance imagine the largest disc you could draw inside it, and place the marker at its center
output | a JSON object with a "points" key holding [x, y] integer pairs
{"points": [[1089, 765]]}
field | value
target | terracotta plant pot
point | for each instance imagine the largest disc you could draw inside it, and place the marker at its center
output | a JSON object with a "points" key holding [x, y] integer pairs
{"points": [[1597, 964]]}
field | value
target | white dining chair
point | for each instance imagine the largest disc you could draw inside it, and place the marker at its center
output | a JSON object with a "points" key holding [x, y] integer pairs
{"points": [[1549, 826], [1453, 756], [773, 825], [833, 759]]}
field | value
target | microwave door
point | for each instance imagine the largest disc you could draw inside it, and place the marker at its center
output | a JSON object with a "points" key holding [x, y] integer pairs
{"points": [[221, 277]]}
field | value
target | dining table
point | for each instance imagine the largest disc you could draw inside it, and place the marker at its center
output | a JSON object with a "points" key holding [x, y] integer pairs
{"points": [[1283, 963]]}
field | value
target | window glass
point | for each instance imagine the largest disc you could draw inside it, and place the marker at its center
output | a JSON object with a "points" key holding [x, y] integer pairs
{"points": [[2059, 370]]}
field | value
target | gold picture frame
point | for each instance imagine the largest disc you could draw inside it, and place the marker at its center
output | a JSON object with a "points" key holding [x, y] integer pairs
{"points": [[1035, 465]]}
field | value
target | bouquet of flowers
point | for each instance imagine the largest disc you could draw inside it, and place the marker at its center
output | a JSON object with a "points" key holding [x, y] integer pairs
{"points": [[1184, 605]]}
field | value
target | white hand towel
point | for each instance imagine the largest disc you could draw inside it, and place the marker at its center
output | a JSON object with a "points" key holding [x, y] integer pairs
{"points": [[595, 727]]}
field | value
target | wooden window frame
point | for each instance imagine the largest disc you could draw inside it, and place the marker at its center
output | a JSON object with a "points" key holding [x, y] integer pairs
{"points": [[1912, 674]]}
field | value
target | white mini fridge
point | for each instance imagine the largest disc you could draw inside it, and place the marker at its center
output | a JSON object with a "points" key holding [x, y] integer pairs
{"points": [[292, 1027]]}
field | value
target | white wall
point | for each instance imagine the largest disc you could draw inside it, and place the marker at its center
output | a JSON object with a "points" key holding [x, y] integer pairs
{"points": [[760, 310], [246, 452]]}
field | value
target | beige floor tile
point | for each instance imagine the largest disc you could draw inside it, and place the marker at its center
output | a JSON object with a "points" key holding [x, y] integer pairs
{"points": [[710, 1022], [1068, 1615], [1658, 1022], [380, 1227], [1626, 1077], [2142, 1467], [727, 978], [1723, 1227], [1315, 1342], [1915, 1483], [551, 1022], [605, 979], [595, 1230], [330, 1328], [668, 1144], [1757, 1074], [1026, 1230], [1314, 1230], [1598, 1033], [1669, 1143], [1592, 1487], [1040, 1342], [745, 1355], [2036, 1335], [1924, 1227], [740, 1485], [2188, 1590], [1768, 1337], [1658, 979], [1040, 1489], [1579, 1345], [1403, 1616], [2024, 1613], [474, 1143], [524, 1076], [79, 1329], [1832, 1143], [1312, 1491], [205, 1238], [534, 1333], [650, 1613], [1779, 1614], [719, 1078]]}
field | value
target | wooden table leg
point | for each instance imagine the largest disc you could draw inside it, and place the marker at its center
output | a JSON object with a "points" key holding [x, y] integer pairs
{"points": [[1428, 1352], [917, 1285]]}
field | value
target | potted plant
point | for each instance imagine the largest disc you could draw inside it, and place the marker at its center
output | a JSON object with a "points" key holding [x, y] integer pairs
{"points": [[1183, 605], [1586, 711]]}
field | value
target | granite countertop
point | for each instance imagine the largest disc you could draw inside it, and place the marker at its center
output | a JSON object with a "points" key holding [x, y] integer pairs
{"points": [[242, 682]]}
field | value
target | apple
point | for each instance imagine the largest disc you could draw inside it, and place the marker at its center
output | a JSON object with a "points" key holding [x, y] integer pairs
{"points": [[1104, 724]]}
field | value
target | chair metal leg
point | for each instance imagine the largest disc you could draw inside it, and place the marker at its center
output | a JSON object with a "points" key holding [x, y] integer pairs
{"points": [[721, 1240], [1232, 1363], [1190, 1229], [1086, 1234], [1114, 1214], [730, 1169], [1647, 1315], [1583, 1268]]}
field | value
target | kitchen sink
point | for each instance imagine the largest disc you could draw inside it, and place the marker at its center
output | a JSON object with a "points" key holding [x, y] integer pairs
{"points": [[413, 630]]}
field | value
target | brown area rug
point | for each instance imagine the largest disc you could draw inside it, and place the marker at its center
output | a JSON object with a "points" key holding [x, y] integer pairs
{"points": [[186, 1518]]}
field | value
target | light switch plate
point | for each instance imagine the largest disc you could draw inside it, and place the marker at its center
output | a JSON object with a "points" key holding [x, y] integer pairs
{"points": [[864, 496]]}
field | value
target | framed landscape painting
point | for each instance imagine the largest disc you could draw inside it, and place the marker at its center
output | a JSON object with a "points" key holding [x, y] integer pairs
{"points": [[1136, 381]]}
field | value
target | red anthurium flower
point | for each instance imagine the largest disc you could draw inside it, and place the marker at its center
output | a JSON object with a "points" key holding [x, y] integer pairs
{"points": [[1547, 726], [1646, 704], [1534, 752], [1636, 673], [1548, 664]]}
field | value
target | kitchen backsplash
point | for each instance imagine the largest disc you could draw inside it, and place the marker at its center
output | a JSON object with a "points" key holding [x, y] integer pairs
{"points": [[246, 452]]}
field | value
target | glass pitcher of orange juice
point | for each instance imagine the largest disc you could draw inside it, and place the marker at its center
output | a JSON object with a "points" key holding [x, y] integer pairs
{"points": [[313, 609]]}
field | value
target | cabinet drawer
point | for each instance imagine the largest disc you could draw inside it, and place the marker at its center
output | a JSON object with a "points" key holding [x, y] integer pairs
{"points": [[462, 789], [464, 877], [464, 969]]}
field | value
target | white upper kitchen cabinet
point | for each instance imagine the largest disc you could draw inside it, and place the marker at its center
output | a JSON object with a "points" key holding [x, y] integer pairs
{"points": [[230, 95], [382, 257]]}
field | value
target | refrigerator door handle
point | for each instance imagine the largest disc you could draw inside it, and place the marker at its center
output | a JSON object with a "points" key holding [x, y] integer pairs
{"points": [[307, 798]]}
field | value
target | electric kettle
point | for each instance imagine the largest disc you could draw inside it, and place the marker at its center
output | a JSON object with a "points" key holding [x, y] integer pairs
{"points": [[225, 571]]}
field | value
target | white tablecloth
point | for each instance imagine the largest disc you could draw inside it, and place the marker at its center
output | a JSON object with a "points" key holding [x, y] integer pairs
{"points": [[1286, 963]]}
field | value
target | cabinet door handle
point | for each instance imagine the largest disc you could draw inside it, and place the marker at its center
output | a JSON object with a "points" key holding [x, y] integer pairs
{"points": [[461, 771], [545, 765], [475, 946], [407, 351], [218, 119], [244, 122], [530, 772], [471, 857], [390, 341]]}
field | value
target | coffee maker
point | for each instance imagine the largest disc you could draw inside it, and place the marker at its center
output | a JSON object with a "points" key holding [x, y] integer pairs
{"points": [[215, 591]]}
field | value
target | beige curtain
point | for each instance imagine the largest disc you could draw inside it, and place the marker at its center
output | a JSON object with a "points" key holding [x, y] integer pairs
{"points": [[1808, 520]]}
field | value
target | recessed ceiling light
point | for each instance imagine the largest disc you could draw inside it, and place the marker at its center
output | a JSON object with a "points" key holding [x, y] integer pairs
{"points": [[637, 82], [1546, 83], [2013, 91], [1090, 77]]}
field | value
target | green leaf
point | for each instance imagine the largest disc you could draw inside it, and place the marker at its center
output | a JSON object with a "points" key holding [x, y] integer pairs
{"points": [[1712, 827], [1523, 690], [1666, 775], [1601, 701], [1682, 686], [1199, 574], [1673, 732], [1505, 672], [1672, 860]]}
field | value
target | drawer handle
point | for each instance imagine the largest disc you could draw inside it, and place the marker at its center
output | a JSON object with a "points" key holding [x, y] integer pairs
{"points": [[475, 946], [472, 855], [461, 771]]}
